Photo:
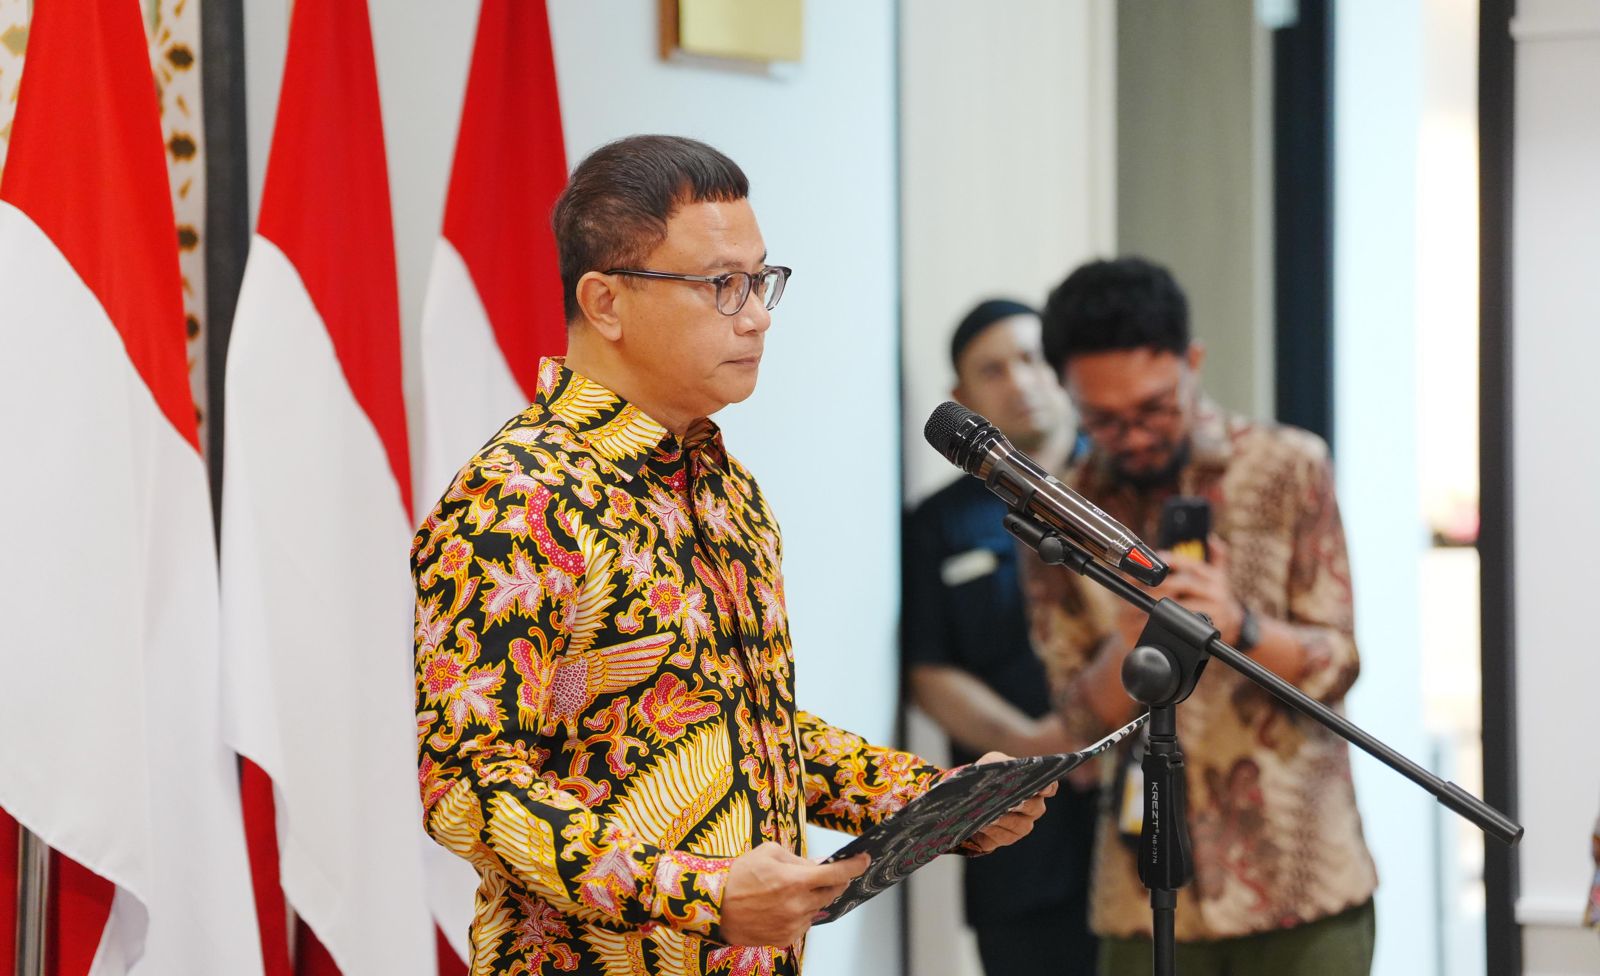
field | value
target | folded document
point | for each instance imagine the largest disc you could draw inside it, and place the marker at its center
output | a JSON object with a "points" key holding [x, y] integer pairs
{"points": [[945, 817]]}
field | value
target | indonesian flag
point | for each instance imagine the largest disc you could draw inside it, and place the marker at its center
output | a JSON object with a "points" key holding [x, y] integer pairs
{"points": [[494, 297], [316, 526], [493, 304], [114, 752]]}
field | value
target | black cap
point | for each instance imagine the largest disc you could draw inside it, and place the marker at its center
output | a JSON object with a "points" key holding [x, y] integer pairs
{"points": [[985, 314]]}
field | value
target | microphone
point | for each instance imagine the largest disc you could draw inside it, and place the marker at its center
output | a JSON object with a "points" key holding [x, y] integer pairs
{"points": [[975, 446]]}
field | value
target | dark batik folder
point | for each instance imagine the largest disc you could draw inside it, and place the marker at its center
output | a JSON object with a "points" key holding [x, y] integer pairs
{"points": [[946, 816]]}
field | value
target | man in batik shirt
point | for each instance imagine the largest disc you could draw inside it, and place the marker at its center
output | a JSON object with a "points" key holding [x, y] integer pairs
{"points": [[1283, 879], [1591, 910], [605, 683]]}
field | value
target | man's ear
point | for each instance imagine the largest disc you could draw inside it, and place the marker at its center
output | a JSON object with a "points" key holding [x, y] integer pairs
{"points": [[958, 394], [597, 304], [1196, 356]]}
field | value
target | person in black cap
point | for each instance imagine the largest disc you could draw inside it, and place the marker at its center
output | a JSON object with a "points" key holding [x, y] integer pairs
{"points": [[968, 661]]}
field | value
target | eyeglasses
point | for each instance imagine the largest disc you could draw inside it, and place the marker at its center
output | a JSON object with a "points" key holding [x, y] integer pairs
{"points": [[1158, 411], [733, 288]]}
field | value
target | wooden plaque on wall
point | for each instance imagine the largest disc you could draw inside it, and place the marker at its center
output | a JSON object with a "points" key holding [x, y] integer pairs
{"points": [[744, 30]]}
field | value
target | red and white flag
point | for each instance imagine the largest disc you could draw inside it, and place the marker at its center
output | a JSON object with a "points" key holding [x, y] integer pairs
{"points": [[493, 303], [114, 752], [494, 296], [316, 522]]}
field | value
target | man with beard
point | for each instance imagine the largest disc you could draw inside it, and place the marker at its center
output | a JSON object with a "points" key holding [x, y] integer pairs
{"points": [[1283, 879], [969, 664]]}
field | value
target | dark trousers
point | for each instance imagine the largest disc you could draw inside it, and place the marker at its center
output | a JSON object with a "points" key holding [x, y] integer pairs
{"points": [[1054, 942], [1340, 945]]}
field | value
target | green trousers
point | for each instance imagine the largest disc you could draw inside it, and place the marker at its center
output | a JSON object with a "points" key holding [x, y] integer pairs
{"points": [[1340, 945]]}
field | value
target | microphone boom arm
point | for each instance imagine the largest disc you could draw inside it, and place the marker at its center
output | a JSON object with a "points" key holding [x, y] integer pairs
{"points": [[1160, 673], [1053, 547]]}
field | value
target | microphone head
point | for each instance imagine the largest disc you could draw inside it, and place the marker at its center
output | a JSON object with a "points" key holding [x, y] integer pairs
{"points": [[959, 434]]}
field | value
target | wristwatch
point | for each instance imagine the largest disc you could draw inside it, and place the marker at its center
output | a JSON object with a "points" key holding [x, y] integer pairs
{"points": [[1249, 629]]}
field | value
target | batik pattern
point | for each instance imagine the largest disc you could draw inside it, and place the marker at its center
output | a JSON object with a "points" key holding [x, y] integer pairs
{"points": [[14, 18], [173, 29], [605, 704], [1591, 909], [1276, 835]]}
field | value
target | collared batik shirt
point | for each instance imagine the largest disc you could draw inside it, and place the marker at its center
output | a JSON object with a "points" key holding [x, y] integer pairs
{"points": [[1591, 911], [605, 693], [1276, 836]]}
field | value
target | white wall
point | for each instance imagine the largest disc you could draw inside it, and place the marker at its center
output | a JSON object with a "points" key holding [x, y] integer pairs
{"points": [[1556, 336], [1378, 77], [1008, 146], [1007, 160], [818, 142], [1194, 176], [1446, 396]]}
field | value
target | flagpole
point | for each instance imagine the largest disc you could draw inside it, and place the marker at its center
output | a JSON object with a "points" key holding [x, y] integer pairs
{"points": [[33, 895]]}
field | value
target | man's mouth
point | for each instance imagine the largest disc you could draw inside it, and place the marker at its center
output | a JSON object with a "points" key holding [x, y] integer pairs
{"points": [[1142, 460]]}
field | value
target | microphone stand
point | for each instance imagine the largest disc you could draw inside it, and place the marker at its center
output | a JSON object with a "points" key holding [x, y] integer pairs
{"points": [[1160, 672]]}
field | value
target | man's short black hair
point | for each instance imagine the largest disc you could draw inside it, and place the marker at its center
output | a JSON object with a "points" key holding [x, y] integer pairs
{"points": [[983, 315], [1126, 303], [617, 202]]}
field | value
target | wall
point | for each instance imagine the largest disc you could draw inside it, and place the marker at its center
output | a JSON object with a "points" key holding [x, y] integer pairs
{"points": [[818, 141], [1194, 175], [1008, 148], [1007, 166], [1377, 97], [1446, 400], [1555, 312]]}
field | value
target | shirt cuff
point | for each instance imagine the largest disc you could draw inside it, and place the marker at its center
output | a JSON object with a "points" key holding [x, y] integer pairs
{"points": [[687, 893]]}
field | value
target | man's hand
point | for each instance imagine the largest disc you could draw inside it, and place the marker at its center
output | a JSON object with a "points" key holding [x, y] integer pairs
{"points": [[1012, 826], [773, 893], [975, 715], [1130, 624], [1204, 588], [1043, 736]]}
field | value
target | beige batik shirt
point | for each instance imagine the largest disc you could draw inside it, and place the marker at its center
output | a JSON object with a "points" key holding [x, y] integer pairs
{"points": [[1276, 835]]}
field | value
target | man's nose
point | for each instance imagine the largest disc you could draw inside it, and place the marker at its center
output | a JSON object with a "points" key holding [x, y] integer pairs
{"points": [[1136, 438], [754, 319], [1014, 381]]}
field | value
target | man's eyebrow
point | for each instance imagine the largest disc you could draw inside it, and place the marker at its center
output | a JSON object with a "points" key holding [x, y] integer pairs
{"points": [[1155, 399], [734, 264]]}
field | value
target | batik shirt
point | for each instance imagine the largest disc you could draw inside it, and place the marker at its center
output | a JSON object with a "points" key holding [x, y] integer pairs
{"points": [[1276, 836], [1591, 910], [605, 693]]}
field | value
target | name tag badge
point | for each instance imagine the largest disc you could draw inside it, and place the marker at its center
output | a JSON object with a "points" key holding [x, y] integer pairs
{"points": [[964, 567]]}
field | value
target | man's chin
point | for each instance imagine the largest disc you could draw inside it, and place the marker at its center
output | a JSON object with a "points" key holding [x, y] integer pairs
{"points": [[1027, 438], [737, 391], [1151, 472]]}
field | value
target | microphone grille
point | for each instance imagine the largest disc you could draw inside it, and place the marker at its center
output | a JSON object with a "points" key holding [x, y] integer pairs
{"points": [[943, 429]]}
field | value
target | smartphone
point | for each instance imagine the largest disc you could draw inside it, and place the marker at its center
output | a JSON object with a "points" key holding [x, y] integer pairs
{"points": [[1185, 526]]}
